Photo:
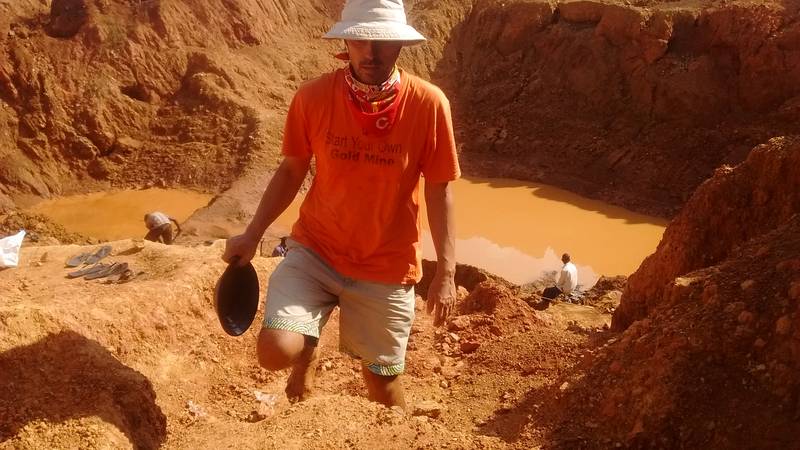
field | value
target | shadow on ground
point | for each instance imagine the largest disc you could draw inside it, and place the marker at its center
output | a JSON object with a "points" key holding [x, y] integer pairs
{"points": [[67, 376]]}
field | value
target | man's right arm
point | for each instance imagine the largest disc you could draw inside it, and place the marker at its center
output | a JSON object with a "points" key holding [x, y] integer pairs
{"points": [[280, 192]]}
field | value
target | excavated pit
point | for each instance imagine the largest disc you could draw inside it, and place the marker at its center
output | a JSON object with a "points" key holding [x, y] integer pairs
{"points": [[634, 105]]}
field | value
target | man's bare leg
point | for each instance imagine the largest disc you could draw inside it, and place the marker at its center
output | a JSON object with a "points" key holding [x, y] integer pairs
{"points": [[300, 385], [385, 390], [279, 349]]}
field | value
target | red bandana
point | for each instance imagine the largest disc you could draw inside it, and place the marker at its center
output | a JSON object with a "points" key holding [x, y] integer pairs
{"points": [[375, 106]]}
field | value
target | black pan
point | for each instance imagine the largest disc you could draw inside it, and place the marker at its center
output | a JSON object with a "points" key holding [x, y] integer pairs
{"points": [[236, 298]]}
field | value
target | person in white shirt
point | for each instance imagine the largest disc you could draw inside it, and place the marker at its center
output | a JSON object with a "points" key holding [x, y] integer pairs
{"points": [[567, 280], [160, 228]]}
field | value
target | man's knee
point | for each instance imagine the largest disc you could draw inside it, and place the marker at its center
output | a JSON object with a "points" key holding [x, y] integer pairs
{"points": [[278, 349]]}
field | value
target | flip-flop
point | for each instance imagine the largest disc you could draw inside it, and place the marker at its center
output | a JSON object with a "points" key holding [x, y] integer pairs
{"points": [[101, 253], [87, 270], [110, 270], [77, 260]]}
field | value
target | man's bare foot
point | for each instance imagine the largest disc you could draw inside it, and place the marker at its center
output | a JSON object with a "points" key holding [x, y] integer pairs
{"points": [[300, 384]]}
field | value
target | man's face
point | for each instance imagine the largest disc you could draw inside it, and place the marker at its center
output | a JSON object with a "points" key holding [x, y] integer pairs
{"points": [[373, 61]]}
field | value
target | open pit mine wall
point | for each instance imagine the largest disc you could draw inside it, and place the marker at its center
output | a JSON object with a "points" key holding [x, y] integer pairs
{"points": [[728, 210], [179, 93], [140, 91], [633, 105]]}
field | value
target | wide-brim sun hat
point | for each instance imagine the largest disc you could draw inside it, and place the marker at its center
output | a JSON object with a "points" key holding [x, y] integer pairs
{"points": [[375, 20]]}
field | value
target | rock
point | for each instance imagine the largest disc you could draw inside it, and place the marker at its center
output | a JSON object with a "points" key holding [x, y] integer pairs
{"points": [[327, 365], [495, 330], [745, 317], [564, 386], [67, 17], [126, 145], [434, 364], [747, 284], [469, 346], [427, 408], [789, 265], [545, 318], [783, 326], [444, 384], [82, 148], [449, 372], [195, 409], [711, 294], [794, 291], [461, 293], [459, 323], [454, 337], [98, 169], [257, 415], [759, 343]]}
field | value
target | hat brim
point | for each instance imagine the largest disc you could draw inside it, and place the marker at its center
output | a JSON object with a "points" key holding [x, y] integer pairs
{"points": [[375, 31]]}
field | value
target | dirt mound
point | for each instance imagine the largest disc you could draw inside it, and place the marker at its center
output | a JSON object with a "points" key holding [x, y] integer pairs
{"points": [[710, 351], [39, 229], [726, 211], [65, 376], [636, 105], [714, 364], [155, 345]]}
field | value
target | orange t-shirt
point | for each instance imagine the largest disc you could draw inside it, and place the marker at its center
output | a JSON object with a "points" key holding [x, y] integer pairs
{"points": [[361, 213]]}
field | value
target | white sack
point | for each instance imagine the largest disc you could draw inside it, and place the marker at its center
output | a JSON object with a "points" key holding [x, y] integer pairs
{"points": [[9, 249]]}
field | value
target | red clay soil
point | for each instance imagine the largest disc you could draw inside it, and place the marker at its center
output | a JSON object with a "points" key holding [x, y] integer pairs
{"points": [[734, 206], [649, 99], [635, 104], [714, 364], [137, 93], [145, 364]]}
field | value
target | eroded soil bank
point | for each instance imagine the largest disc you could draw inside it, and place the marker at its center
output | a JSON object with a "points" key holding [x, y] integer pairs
{"points": [[633, 105]]}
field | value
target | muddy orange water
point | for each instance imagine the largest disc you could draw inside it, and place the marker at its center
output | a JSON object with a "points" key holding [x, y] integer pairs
{"points": [[519, 230], [120, 214]]}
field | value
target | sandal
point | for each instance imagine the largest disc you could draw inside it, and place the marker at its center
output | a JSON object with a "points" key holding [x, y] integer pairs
{"points": [[113, 269], [77, 260], [101, 253], [87, 270]]}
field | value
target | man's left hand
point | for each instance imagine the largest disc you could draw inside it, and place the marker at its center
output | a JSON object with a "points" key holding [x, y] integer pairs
{"points": [[441, 296]]}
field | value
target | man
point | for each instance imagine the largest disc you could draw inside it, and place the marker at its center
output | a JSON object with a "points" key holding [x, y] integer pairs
{"points": [[567, 280], [281, 249], [372, 129], [160, 227]]}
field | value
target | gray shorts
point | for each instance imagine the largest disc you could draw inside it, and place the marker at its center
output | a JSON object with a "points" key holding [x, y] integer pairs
{"points": [[374, 321]]}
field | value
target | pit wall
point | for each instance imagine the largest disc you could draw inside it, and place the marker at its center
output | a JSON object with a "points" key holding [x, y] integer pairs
{"points": [[632, 105]]}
